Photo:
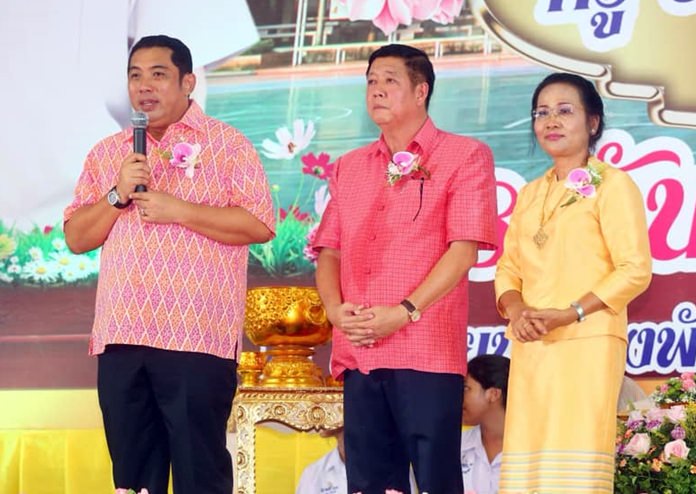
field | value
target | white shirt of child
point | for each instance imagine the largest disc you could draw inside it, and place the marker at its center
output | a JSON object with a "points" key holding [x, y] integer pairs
{"points": [[327, 475], [479, 475]]}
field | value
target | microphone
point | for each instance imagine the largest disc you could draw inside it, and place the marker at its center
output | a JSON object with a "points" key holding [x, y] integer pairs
{"points": [[139, 121]]}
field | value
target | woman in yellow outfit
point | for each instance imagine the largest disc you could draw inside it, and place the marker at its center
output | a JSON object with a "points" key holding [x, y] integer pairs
{"points": [[576, 253]]}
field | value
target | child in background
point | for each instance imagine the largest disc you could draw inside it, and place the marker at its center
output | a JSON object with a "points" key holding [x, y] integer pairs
{"points": [[485, 397]]}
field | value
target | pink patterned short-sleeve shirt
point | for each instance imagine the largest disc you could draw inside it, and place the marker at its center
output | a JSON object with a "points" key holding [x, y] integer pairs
{"points": [[163, 285], [390, 237]]}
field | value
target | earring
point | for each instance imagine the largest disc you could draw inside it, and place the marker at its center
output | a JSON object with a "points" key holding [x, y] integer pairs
{"points": [[593, 131]]}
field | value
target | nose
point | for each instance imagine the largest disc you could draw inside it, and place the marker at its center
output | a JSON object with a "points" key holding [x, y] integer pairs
{"points": [[144, 84], [552, 120], [377, 90]]}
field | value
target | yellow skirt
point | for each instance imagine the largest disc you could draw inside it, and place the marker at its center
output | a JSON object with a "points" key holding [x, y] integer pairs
{"points": [[560, 425]]}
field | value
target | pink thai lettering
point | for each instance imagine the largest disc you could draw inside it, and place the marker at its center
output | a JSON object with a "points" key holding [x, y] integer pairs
{"points": [[667, 212]]}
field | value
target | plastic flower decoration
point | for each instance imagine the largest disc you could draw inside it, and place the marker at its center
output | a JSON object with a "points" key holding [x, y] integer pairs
{"points": [[584, 181], [655, 451], [404, 164], [680, 389], [185, 155], [289, 145]]}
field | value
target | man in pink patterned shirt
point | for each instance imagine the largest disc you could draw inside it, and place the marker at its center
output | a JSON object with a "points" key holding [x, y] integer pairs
{"points": [[407, 216], [172, 283]]}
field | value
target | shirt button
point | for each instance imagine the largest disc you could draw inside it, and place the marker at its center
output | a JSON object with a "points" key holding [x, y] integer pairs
{"points": [[368, 270], [373, 237], [381, 208]]}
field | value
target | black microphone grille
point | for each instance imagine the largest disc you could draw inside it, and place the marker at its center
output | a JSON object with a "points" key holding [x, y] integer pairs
{"points": [[139, 120]]}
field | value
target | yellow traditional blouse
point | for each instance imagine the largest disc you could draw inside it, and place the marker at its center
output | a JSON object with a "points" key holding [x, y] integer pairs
{"points": [[596, 244]]}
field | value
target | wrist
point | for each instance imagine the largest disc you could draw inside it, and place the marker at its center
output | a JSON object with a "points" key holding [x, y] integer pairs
{"points": [[115, 199], [514, 310], [413, 313], [404, 313], [578, 312]]}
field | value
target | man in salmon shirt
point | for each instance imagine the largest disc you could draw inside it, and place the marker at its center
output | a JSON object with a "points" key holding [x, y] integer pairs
{"points": [[172, 282], [407, 216]]}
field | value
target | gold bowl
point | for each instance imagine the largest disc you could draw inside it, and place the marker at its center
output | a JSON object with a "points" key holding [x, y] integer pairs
{"points": [[290, 320], [250, 367]]}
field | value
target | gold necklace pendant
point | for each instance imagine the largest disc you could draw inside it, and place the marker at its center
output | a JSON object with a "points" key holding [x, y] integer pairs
{"points": [[540, 237]]}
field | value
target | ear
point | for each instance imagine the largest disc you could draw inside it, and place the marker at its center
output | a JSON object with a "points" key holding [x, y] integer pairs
{"points": [[188, 83], [422, 92], [494, 394], [593, 124]]}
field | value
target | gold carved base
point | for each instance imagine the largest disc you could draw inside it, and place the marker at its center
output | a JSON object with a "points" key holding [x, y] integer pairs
{"points": [[291, 367]]}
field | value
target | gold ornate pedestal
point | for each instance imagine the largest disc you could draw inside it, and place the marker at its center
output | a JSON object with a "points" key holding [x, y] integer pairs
{"points": [[304, 409], [290, 320]]}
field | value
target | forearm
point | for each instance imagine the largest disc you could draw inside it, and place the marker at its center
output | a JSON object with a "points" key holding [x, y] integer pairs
{"points": [[508, 301], [228, 225], [589, 303], [90, 225], [328, 277], [452, 267]]}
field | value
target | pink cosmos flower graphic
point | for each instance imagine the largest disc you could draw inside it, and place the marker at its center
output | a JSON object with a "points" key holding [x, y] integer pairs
{"points": [[308, 251], [294, 211], [317, 166]]}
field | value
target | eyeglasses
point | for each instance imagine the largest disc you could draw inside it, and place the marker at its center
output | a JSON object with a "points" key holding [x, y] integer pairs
{"points": [[562, 111]]}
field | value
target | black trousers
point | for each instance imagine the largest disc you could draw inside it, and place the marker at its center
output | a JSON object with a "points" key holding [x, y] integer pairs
{"points": [[165, 408], [398, 417]]}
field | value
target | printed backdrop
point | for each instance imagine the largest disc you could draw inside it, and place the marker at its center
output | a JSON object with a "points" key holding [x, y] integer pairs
{"points": [[64, 82]]}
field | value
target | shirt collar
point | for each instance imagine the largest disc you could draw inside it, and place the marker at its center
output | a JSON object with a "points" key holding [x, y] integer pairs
{"points": [[194, 119], [472, 439], [423, 142], [473, 442], [333, 461]]}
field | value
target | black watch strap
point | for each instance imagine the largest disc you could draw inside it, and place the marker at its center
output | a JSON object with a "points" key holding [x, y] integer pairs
{"points": [[409, 306], [118, 204]]}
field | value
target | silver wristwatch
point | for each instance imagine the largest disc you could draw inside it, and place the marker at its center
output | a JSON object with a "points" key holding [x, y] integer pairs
{"points": [[113, 198]]}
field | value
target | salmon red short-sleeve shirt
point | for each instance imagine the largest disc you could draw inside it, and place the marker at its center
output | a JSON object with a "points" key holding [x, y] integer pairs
{"points": [[390, 237]]}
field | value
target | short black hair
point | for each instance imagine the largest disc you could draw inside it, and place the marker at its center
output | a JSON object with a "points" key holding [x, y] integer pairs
{"points": [[181, 55], [591, 100], [420, 69], [491, 371]]}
